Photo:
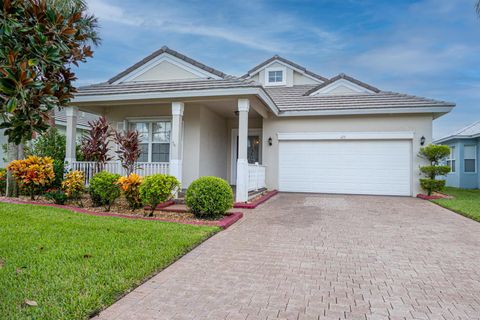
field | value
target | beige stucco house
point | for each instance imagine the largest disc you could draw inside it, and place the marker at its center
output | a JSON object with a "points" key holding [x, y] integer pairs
{"points": [[279, 126]]}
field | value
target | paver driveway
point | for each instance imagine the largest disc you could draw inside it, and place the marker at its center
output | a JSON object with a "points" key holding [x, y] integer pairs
{"points": [[323, 257]]}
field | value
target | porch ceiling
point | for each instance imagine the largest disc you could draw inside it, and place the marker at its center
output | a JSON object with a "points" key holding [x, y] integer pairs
{"points": [[223, 106]]}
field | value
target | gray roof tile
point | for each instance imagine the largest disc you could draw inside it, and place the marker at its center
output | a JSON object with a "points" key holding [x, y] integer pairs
{"points": [[161, 86], [294, 99]]}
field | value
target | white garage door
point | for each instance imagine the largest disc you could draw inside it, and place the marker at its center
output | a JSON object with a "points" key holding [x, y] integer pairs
{"points": [[380, 167]]}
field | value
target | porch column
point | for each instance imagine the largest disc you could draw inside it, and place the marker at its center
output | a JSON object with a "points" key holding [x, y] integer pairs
{"points": [[242, 161], [71, 133], [176, 140]]}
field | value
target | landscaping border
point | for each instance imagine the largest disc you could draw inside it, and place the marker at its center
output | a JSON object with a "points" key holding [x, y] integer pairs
{"points": [[427, 197], [226, 222], [257, 202]]}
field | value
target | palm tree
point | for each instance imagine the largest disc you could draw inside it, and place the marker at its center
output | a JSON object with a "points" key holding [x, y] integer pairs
{"points": [[477, 7]]}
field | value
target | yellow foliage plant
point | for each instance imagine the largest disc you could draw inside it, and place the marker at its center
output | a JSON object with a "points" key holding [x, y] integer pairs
{"points": [[130, 186], [74, 185], [33, 173]]}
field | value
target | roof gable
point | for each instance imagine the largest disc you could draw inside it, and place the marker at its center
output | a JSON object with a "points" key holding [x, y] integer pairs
{"points": [[150, 68], [296, 67], [342, 85]]}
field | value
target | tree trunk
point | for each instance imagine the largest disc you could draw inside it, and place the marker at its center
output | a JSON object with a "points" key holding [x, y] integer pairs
{"points": [[12, 154]]}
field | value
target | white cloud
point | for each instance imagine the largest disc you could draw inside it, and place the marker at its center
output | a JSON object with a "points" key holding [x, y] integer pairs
{"points": [[250, 28], [108, 12]]}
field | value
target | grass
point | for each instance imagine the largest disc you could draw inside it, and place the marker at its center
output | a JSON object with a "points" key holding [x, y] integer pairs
{"points": [[74, 265], [465, 202]]}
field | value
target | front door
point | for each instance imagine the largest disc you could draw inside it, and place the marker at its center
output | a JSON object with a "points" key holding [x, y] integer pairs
{"points": [[254, 151]]}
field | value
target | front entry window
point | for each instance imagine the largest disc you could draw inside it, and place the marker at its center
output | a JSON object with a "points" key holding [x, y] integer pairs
{"points": [[253, 149], [154, 140]]}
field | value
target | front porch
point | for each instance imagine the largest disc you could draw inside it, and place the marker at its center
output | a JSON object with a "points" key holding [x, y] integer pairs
{"points": [[186, 139]]}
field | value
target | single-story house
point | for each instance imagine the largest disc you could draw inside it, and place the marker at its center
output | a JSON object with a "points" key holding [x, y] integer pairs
{"points": [[464, 145], [279, 126]]}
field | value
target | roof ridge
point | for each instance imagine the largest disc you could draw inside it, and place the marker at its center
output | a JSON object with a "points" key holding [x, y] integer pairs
{"points": [[165, 49]]}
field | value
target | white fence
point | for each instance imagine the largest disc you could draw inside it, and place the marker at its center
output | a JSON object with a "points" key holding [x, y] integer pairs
{"points": [[142, 168], [256, 177]]}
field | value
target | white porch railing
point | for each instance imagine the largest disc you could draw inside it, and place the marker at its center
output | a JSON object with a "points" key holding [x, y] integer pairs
{"points": [[142, 168], [256, 177]]}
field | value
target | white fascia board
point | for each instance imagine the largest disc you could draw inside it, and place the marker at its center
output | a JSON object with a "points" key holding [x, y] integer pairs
{"points": [[179, 94], [291, 136], [438, 110], [171, 59], [288, 66]]}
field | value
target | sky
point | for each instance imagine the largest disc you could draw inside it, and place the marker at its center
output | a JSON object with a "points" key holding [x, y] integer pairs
{"points": [[429, 48]]}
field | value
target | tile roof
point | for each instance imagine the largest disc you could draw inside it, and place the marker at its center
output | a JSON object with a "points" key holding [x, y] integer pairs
{"points": [[287, 99], [470, 131], [294, 99], [174, 53], [286, 61], [342, 76], [162, 86]]}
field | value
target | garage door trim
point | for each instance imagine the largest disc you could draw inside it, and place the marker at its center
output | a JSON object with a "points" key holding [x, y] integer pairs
{"points": [[400, 135], [352, 136]]}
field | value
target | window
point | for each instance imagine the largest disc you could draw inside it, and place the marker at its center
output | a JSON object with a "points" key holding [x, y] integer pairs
{"points": [[154, 140], [275, 76], [470, 159], [451, 159]]}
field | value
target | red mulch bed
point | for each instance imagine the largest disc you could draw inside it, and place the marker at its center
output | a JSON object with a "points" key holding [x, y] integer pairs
{"points": [[255, 202], [120, 210], [434, 196]]}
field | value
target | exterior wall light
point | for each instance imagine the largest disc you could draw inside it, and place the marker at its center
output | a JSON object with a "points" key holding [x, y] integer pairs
{"points": [[270, 141], [422, 140]]}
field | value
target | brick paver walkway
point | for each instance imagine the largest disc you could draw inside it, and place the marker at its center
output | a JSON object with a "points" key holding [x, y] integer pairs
{"points": [[323, 257]]}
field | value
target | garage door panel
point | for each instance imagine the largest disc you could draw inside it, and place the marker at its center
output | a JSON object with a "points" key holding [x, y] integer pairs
{"points": [[358, 167]]}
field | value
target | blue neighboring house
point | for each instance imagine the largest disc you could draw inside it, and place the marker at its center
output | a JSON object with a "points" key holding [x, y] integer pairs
{"points": [[463, 157]]}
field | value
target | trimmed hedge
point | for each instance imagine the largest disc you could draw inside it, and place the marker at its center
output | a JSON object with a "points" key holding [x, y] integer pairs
{"points": [[209, 196]]}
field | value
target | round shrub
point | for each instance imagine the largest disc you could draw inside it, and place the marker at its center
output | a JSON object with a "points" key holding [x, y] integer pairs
{"points": [[158, 188], [209, 196], [104, 189]]}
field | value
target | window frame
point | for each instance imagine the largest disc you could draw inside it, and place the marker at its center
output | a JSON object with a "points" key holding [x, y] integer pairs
{"points": [[150, 142], [452, 158], [475, 159], [283, 70]]}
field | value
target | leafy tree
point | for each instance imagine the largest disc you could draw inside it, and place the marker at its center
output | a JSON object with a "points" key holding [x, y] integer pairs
{"points": [[434, 154], [40, 41], [50, 144], [128, 149]]}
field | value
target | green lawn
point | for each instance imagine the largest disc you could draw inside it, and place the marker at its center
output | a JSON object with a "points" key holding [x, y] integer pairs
{"points": [[466, 202], [73, 265]]}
